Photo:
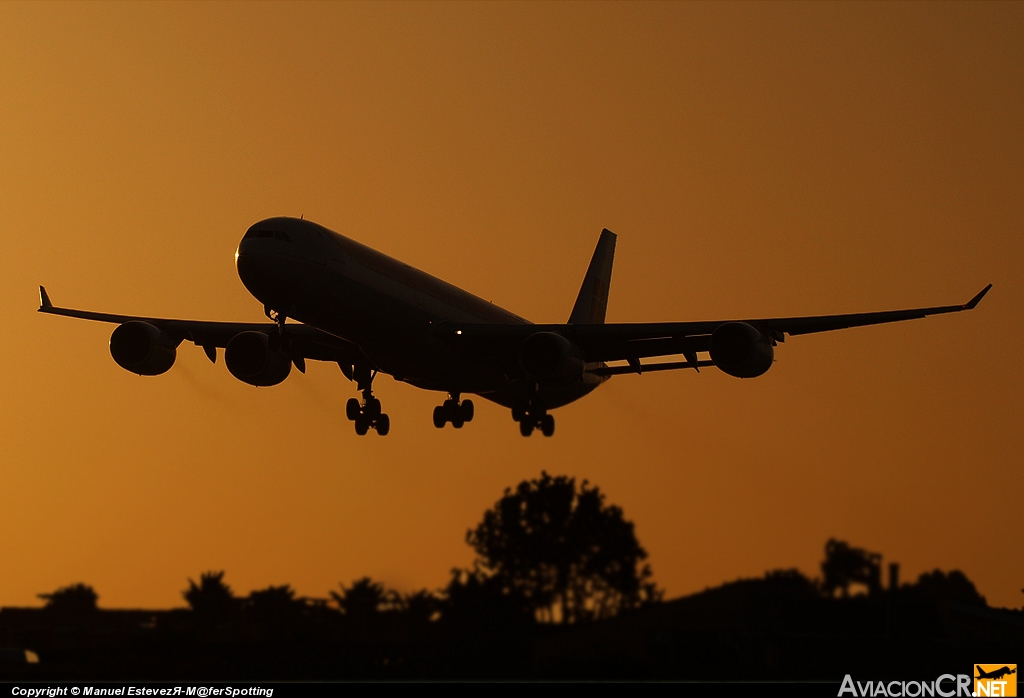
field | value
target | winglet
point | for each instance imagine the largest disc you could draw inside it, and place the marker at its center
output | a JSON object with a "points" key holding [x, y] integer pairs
{"points": [[44, 300], [971, 303]]}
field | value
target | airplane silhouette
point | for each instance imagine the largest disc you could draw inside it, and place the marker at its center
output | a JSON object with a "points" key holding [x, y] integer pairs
{"points": [[995, 674], [373, 314]]}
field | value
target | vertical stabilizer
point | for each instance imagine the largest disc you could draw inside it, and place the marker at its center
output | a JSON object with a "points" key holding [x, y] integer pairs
{"points": [[592, 301]]}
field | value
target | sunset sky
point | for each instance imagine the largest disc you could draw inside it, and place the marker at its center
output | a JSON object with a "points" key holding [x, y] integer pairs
{"points": [[754, 159]]}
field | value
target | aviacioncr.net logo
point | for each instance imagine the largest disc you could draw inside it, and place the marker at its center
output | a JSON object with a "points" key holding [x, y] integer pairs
{"points": [[946, 686]]}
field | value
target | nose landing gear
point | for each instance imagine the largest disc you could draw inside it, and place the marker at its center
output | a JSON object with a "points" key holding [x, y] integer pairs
{"points": [[366, 414], [451, 410], [532, 417]]}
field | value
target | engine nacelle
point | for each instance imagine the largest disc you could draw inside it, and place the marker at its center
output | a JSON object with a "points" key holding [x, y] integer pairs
{"points": [[741, 350], [250, 359], [549, 358], [141, 348]]}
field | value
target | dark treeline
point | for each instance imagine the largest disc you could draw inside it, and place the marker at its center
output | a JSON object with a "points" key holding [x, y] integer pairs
{"points": [[559, 589]]}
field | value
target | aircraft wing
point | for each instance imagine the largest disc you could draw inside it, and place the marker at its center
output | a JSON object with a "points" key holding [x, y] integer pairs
{"points": [[304, 342], [633, 341]]}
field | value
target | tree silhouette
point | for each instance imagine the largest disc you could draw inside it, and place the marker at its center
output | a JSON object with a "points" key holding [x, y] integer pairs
{"points": [[74, 598], [211, 599], [569, 556], [364, 599], [844, 565], [420, 607]]}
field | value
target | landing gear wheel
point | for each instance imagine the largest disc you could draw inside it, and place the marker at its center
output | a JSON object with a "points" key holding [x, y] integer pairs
{"points": [[525, 428], [451, 410], [366, 414], [352, 409], [547, 425], [518, 413]]}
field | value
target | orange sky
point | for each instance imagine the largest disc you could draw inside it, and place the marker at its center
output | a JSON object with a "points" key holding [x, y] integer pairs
{"points": [[755, 160]]}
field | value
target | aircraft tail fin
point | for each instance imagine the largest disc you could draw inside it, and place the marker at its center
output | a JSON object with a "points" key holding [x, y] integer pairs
{"points": [[592, 300]]}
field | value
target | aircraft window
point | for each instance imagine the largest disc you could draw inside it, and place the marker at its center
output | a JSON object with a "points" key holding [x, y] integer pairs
{"points": [[276, 234]]}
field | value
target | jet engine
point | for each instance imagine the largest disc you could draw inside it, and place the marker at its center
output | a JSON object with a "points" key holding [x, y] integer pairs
{"points": [[741, 350], [549, 358], [251, 360], [141, 348]]}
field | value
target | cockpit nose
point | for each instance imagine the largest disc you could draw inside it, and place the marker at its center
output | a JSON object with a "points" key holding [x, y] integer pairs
{"points": [[254, 240], [258, 257], [261, 242]]}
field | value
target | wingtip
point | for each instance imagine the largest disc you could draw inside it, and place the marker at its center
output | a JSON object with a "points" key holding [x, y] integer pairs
{"points": [[44, 299], [977, 299]]}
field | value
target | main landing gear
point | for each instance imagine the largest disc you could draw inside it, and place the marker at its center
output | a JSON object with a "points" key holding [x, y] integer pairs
{"points": [[451, 410], [532, 417], [366, 414]]}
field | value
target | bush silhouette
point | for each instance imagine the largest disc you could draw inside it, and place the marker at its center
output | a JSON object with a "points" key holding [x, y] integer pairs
{"points": [[275, 604], [74, 598], [942, 586], [478, 602]]}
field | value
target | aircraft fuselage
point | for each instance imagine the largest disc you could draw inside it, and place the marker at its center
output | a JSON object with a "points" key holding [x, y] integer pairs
{"points": [[388, 308]]}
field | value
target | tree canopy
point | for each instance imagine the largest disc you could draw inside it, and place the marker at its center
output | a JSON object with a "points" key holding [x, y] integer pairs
{"points": [[570, 556]]}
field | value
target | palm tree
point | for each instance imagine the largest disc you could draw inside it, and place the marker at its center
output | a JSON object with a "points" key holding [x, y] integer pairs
{"points": [[211, 599]]}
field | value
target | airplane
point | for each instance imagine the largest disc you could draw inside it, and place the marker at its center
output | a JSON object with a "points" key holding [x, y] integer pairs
{"points": [[371, 314], [996, 674]]}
